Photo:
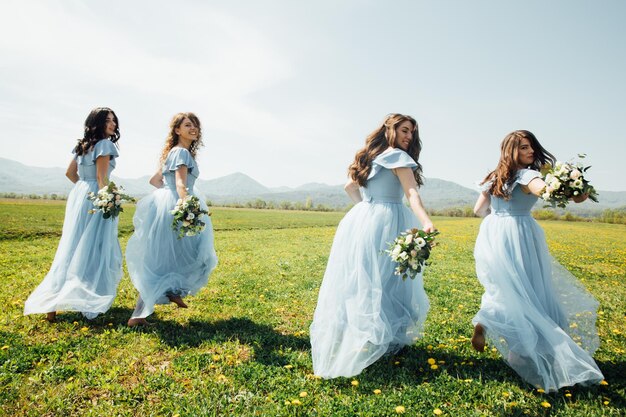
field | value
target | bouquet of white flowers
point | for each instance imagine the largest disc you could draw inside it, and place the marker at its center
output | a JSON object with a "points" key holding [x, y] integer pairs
{"points": [[566, 180], [187, 216], [109, 200], [410, 251]]}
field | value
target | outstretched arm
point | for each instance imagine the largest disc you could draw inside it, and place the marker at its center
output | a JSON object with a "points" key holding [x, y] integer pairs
{"points": [[352, 189], [409, 185]]}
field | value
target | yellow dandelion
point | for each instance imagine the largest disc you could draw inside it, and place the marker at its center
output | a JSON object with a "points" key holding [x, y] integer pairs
{"points": [[287, 402], [606, 402], [110, 325], [303, 394], [434, 367], [400, 409], [84, 329], [396, 363], [288, 366], [5, 347], [296, 402], [568, 395], [467, 380], [429, 347], [540, 390], [437, 412], [546, 404], [603, 382], [377, 391], [216, 358], [354, 383], [431, 361], [505, 394], [75, 323]]}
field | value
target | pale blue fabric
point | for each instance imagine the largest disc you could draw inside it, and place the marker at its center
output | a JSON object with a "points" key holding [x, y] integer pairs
{"points": [[160, 264], [364, 310], [536, 313], [87, 266]]}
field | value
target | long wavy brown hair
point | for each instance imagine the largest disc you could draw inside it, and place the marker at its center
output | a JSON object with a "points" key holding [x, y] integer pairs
{"points": [[381, 139], [94, 131], [173, 138], [504, 174]]}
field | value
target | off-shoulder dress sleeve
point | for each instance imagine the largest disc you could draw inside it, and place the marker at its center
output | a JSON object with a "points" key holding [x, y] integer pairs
{"points": [[177, 158]]}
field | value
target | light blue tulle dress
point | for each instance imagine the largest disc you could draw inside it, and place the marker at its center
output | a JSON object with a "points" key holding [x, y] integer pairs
{"points": [[87, 266], [364, 310], [535, 312], [160, 264]]}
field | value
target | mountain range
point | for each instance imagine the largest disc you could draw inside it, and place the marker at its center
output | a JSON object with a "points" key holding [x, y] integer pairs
{"points": [[437, 194]]}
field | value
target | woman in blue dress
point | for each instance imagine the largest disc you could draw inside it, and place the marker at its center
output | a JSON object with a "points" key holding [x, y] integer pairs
{"points": [[87, 266], [534, 311], [162, 267], [364, 310]]}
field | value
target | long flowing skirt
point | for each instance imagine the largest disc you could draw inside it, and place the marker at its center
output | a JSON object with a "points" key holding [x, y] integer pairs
{"points": [[364, 310], [161, 264], [535, 312], [87, 266]]}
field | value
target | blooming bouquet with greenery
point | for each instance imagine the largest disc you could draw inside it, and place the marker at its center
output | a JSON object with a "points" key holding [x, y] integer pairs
{"points": [[411, 251], [564, 181], [187, 216], [108, 200]]}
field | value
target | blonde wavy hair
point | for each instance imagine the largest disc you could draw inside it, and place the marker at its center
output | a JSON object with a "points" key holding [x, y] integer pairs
{"points": [[173, 138], [378, 141]]}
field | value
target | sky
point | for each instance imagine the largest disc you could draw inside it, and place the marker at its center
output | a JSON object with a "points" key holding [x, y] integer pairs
{"points": [[287, 91]]}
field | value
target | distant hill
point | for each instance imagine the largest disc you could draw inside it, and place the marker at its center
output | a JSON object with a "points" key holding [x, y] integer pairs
{"points": [[240, 188]]}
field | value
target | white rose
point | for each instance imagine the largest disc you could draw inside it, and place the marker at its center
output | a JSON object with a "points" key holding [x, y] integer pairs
{"points": [[396, 250], [555, 184], [549, 178], [404, 256], [574, 174], [413, 253], [190, 233], [191, 216], [408, 239], [545, 195], [186, 223], [420, 242]]}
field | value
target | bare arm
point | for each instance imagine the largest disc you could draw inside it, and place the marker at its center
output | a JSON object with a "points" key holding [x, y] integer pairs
{"points": [[181, 181], [352, 189], [102, 170], [72, 171], [481, 208], [535, 186], [157, 179], [409, 185]]}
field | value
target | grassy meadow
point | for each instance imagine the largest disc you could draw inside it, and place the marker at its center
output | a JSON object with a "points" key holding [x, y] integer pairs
{"points": [[242, 348]]}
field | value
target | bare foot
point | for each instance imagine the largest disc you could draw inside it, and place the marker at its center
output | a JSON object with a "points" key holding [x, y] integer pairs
{"points": [[177, 299], [138, 322], [478, 339], [51, 317]]}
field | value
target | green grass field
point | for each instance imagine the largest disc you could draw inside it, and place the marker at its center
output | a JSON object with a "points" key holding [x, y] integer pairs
{"points": [[242, 347]]}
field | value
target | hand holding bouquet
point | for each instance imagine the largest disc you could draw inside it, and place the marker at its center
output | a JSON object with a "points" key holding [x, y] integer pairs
{"points": [[109, 200], [566, 181], [187, 216], [411, 250]]}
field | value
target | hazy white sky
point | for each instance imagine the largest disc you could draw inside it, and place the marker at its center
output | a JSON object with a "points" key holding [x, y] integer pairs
{"points": [[288, 90]]}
